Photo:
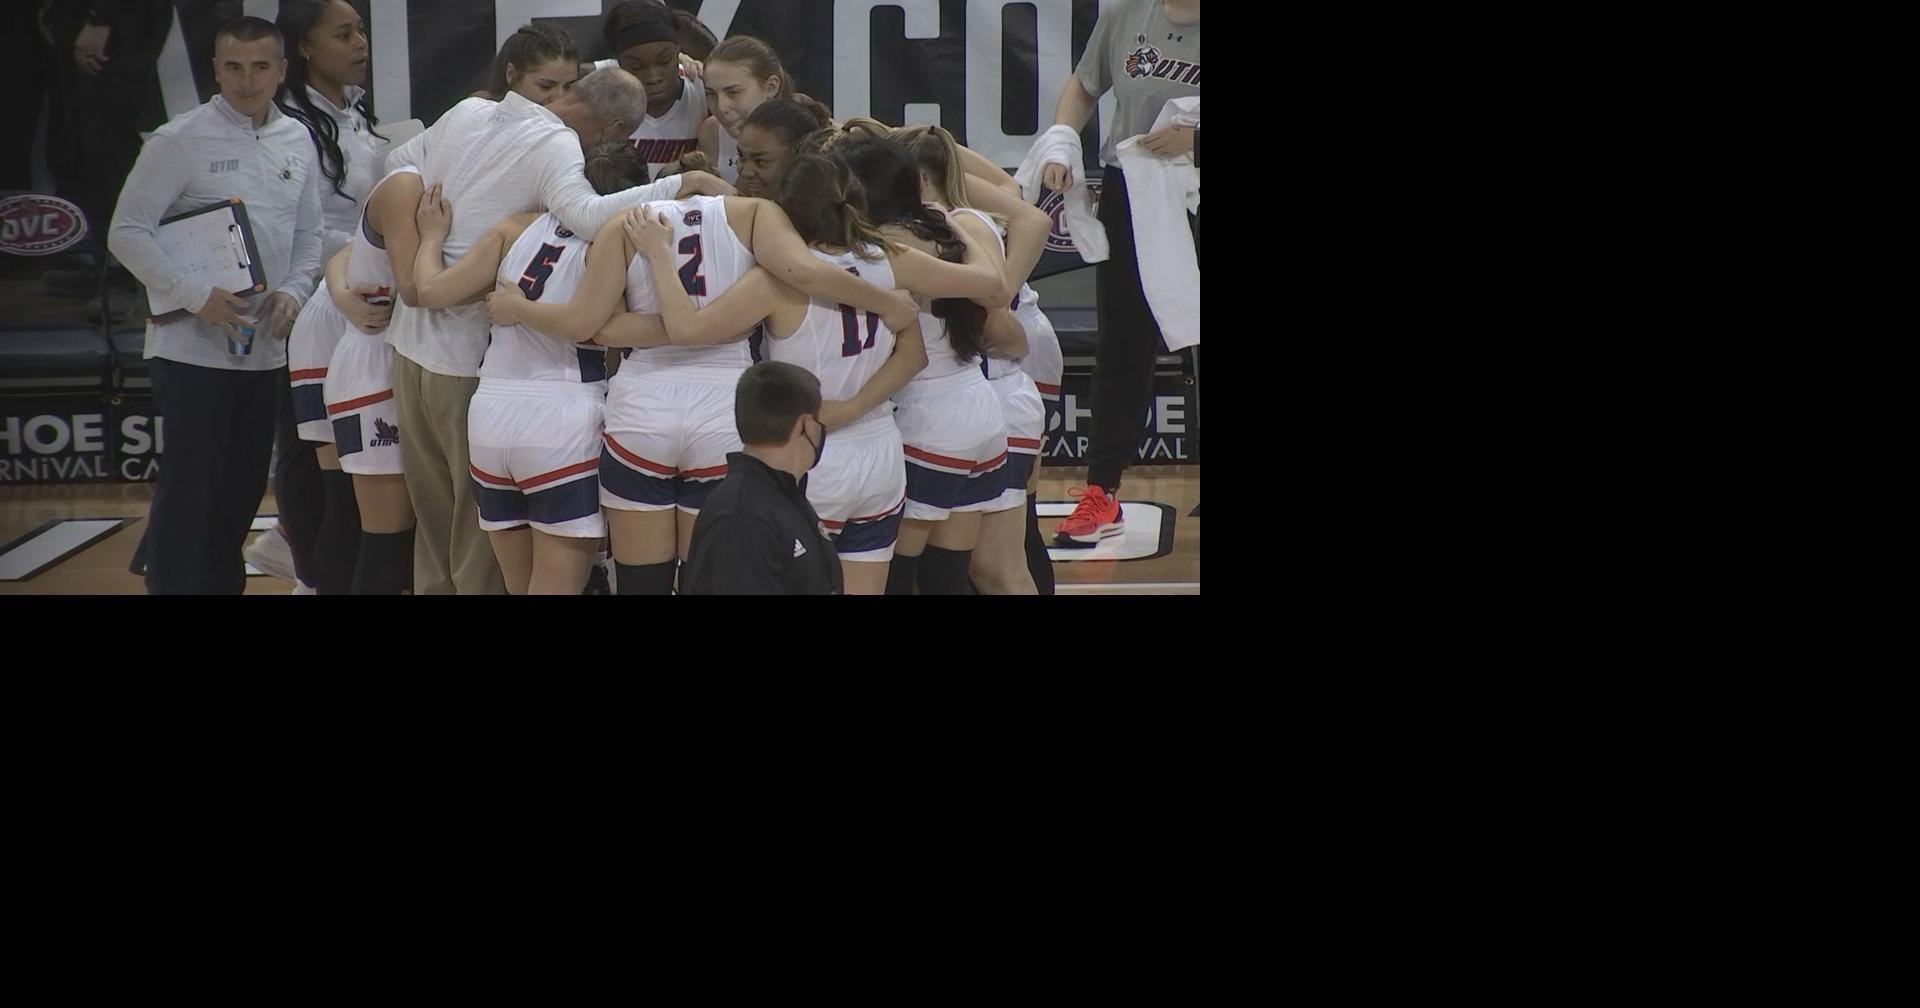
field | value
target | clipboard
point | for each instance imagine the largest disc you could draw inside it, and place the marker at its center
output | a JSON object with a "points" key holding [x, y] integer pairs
{"points": [[213, 247]]}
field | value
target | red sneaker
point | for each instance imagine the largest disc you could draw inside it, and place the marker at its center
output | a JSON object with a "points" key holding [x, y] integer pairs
{"points": [[1096, 518]]}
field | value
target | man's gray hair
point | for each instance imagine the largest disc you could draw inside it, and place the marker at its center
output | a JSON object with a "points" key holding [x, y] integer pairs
{"points": [[612, 93]]}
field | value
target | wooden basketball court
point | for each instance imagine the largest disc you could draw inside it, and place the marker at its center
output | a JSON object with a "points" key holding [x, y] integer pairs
{"points": [[78, 539]]}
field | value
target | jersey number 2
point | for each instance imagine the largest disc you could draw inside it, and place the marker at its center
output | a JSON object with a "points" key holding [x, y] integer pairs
{"points": [[690, 277]]}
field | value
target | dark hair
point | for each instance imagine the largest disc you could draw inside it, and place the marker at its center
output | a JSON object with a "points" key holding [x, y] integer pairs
{"points": [[696, 39], [891, 180], [636, 22], [297, 18], [615, 165], [769, 397], [821, 113], [788, 118], [251, 29], [530, 46], [692, 160], [819, 141], [822, 197]]}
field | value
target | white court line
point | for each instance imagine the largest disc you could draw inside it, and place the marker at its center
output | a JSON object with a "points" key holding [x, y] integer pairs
{"points": [[1138, 586], [68, 536], [1140, 541]]}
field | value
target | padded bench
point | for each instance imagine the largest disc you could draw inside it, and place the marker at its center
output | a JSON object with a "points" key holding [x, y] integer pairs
{"points": [[130, 369], [54, 360], [1067, 296]]}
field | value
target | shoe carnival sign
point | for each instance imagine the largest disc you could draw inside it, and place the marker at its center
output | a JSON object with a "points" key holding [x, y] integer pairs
{"points": [[1170, 429], [37, 225], [79, 439]]}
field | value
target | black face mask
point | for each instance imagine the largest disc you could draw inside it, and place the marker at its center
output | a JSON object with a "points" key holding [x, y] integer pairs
{"points": [[818, 449]]}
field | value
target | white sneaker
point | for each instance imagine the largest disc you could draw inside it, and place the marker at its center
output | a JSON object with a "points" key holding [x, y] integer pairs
{"points": [[303, 588], [269, 552]]}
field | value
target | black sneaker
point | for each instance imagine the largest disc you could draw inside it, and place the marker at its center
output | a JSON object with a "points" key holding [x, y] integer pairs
{"points": [[597, 582]]}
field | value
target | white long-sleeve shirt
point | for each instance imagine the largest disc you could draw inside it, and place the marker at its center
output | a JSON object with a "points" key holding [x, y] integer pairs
{"points": [[491, 160], [206, 155], [361, 150]]}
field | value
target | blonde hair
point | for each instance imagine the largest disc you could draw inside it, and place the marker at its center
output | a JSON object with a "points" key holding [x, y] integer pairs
{"points": [[934, 150]]}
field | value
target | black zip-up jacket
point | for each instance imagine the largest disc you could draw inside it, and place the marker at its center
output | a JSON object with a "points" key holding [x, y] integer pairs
{"points": [[757, 535]]}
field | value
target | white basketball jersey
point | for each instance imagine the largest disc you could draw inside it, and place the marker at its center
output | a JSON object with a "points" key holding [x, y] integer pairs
{"points": [[666, 138], [1043, 362], [368, 264], [1000, 367], [546, 262], [841, 345], [729, 155], [710, 259]]}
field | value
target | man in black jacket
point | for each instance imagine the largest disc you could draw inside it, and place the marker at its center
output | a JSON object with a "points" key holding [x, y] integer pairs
{"points": [[107, 91], [757, 535]]}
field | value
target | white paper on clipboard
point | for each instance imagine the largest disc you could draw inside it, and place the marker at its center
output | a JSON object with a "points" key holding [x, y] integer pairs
{"points": [[212, 247]]}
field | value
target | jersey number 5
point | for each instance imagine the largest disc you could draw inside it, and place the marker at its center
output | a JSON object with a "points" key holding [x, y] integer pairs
{"points": [[534, 280]]}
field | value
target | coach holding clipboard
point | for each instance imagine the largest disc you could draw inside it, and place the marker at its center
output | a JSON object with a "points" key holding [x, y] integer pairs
{"points": [[216, 372]]}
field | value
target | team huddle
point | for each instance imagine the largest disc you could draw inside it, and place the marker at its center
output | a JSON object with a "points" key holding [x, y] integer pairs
{"points": [[539, 310]]}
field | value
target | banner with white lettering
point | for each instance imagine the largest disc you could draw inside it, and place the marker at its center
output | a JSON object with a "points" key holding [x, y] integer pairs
{"points": [[1172, 423], [988, 70], [78, 439]]}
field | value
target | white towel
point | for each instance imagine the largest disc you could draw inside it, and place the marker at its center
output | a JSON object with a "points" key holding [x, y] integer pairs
{"points": [[1162, 192], [1061, 145]]}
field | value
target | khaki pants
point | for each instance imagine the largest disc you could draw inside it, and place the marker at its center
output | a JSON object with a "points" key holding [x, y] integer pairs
{"points": [[451, 555]]}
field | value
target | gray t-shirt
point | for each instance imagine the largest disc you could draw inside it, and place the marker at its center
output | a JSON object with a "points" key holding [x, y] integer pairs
{"points": [[1146, 60]]}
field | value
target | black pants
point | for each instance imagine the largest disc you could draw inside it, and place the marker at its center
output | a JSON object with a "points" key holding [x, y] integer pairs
{"points": [[25, 54], [1129, 339], [219, 430], [297, 488], [101, 116]]}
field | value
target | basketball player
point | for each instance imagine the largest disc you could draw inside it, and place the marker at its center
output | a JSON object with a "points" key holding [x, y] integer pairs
{"points": [[1002, 563], [362, 414], [740, 75], [954, 434], [669, 416], [858, 486], [644, 37], [534, 423], [538, 62]]}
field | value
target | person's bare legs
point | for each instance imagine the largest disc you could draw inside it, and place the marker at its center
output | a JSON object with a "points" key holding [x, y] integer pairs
{"points": [[513, 549], [999, 565], [560, 563]]}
